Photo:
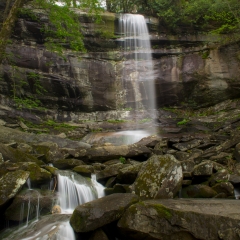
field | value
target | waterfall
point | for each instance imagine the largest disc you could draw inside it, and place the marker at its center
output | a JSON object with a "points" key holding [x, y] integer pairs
{"points": [[73, 190], [138, 74]]}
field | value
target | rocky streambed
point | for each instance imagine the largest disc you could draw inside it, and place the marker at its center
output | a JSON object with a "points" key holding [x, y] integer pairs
{"points": [[179, 184]]}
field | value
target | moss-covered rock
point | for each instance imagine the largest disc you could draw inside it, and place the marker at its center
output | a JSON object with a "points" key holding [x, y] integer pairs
{"points": [[128, 174], [95, 214], [84, 170], [37, 175], [49, 149], [11, 183], [16, 155], [224, 187], [168, 219], [198, 191], [110, 171], [67, 163], [159, 177]]}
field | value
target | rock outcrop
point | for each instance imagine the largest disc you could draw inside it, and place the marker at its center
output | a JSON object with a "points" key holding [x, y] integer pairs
{"points": [[196, 71], [181, 219]]}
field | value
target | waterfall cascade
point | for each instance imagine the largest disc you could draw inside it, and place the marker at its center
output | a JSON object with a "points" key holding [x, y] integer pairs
{"points": [[138, 66], [73, 190]]}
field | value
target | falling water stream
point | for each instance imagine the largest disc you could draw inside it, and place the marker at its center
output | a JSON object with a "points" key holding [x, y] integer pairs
{"points": [[138, 66]]}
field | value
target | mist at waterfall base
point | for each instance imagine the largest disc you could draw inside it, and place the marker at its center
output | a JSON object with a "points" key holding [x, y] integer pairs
{"points": [[73, 190]]}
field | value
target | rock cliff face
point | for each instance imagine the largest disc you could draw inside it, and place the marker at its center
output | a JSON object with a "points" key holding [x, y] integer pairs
{"points": [[192, 69]]}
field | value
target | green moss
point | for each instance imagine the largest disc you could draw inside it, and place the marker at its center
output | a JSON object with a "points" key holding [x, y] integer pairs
{"points": [[183, 122], [116, 121], [162, 211]]}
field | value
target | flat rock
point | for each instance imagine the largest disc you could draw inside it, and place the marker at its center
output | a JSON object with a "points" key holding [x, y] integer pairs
{"points": [[181, 219], [105, 153], [97, 213], [187, 145]]}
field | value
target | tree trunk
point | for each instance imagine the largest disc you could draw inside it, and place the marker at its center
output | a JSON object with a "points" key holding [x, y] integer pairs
{"points": [[8, 25]]}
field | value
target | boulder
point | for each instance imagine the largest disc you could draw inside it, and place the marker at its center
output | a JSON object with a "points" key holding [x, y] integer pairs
{"points": [[160, 177], [11, 184], [84, 170], [104, 153], [237, 152], [181, 219], [224, 187], [67, 163], [187, 165], [220, 176], [49, 149], [37, 175], [187, 145], [234, 179], [151, 141], [198, 191], [128, 174], [25, 200], [93, 215], [16, 155], [110, 171], [206, 168], [221, 158], [99, 234]]}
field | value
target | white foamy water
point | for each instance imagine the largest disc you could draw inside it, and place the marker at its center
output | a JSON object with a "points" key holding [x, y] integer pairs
{"points": [[138, 69], [74, 190]]}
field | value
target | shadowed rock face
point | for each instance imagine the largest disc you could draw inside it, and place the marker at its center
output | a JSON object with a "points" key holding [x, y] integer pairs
{"points": [[191, 71]]}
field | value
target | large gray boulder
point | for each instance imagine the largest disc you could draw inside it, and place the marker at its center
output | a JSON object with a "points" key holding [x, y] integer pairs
{"points": [[95, 214], [182, 220], [160, 177], [11, 184]]}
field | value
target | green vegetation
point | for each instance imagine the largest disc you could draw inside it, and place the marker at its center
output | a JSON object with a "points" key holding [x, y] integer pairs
{"points": [[63, 29], [122, 160], [206, 15], [59, 126], [116, 121], [96, 130], [183, 122], [18, 86]]}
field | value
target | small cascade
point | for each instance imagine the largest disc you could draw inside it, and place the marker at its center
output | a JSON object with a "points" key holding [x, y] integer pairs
{"points": [[30, 205], [73, 190], [138, 67], [99, 187]]}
